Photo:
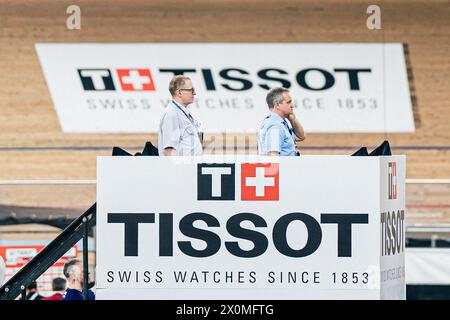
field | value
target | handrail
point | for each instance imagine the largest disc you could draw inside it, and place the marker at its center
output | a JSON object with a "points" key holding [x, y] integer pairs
{"points": [[94, 182], [428, 228], [428, 181], [46, 182]]}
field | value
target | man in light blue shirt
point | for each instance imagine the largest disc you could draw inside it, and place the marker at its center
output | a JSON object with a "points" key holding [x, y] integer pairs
{"points": [[276, 137], [178, 130]]}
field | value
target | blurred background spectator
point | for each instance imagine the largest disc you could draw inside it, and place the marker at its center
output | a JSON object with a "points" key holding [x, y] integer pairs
{"points": [[59, 287]]}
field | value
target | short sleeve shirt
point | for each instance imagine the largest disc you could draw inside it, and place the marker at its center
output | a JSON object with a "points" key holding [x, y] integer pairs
{"points": [[276, 135], [179, 130]]}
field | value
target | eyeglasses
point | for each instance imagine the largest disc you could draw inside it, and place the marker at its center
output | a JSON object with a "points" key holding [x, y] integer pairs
{"points": [[192, 90]]}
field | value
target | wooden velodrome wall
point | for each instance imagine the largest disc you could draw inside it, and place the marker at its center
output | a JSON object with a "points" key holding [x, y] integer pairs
{"points": [[32, 145]]}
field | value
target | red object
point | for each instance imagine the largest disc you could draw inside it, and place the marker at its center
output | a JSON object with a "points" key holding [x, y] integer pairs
{"points": [[56, 296], [18, 256], [136, 79], [260, 181], [392, 178]]}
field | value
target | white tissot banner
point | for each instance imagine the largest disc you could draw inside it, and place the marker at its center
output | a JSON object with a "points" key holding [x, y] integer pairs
{"points": [[243, 227], [337, 87]]}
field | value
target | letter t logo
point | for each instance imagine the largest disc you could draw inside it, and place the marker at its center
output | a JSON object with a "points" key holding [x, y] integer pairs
{"points": [[215, 182]]}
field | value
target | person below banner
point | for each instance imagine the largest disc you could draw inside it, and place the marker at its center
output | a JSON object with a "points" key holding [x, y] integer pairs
{"points": [[179, 132], [73, 271], [276, 137]]}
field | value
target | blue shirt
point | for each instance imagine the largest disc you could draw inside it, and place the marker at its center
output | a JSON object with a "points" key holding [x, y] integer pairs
{"points": [[73, 294], [179, 130], [276, 135]]}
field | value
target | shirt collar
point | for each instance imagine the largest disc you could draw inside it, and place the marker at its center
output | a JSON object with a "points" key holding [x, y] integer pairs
{"points": [[276, 116]]}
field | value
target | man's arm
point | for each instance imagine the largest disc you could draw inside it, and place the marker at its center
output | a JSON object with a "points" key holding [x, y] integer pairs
{"points": [[273, 141], [171, 134], [298, 128]]}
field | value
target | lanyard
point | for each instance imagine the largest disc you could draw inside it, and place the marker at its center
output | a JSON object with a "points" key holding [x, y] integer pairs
{"points": [[190, 118], [291, 131], [287, 126]]}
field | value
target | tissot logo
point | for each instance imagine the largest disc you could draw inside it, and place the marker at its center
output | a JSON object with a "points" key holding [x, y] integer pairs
{"points": [[239, 79], [136, 79], [230, 79], [259, 181], [215, 182], [96, 79], [233, 225], [392, 181], [130, 79]]}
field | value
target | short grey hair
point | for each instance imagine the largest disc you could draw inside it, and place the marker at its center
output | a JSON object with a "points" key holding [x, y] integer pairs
{"points": [[70, 266], [275, 95], [176, 83]]}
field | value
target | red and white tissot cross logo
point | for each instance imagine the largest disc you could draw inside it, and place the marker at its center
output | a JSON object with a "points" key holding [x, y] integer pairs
{"points": [[259, 181], [136, 79]]}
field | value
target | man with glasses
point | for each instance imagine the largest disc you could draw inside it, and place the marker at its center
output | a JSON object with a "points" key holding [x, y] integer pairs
{"points": [[276, 137], [179, 133]]}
